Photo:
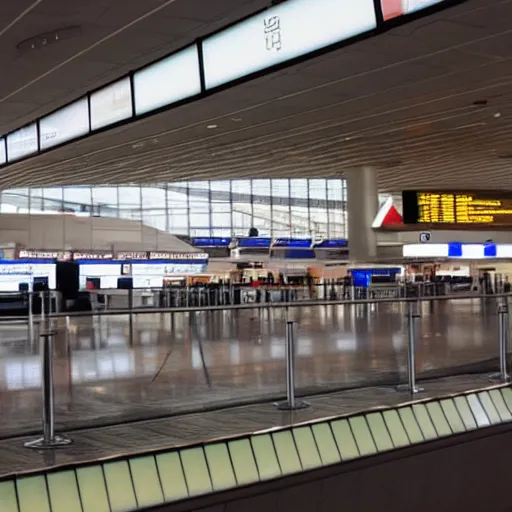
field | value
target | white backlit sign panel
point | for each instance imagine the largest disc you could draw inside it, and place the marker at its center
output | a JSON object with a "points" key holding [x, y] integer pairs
{"points": [[167, 81], [425, 251], [3, 154], [281, 33], [111, 104], [504, 251], [22, 142], [65, 124], [394, 8]]}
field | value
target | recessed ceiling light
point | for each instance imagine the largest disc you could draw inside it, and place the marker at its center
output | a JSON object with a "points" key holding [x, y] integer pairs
{"points": [[236, 119], [212, 126]]}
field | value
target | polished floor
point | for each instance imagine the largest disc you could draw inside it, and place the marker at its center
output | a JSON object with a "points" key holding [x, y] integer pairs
{"points": [[130, 438], [118, 369]]}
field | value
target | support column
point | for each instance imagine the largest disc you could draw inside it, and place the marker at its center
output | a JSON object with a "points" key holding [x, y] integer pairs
{"points": [[362, 207]]}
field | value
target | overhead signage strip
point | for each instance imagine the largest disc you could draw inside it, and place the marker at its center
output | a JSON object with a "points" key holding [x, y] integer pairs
{"points": [[279, 34]]}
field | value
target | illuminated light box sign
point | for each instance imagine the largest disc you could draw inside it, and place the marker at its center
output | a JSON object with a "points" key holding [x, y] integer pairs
{"points": [[184, 256], [332, 244], [93, 256], [255, 242], [282, 33], [296, 243], [3, 152], [471, 208], [132, 255], [35, 269], [65, 124], [394, 8], [30, 254], [22, 142], [168, 81], [458, 250], [111, 104], [211, 242]]}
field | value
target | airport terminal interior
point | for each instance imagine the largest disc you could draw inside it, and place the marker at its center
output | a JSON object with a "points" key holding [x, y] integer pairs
{"points": [[255, 254]]}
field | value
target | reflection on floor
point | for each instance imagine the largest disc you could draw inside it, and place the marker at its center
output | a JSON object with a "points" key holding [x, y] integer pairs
{"points": [[155, 365], [91, 444]]}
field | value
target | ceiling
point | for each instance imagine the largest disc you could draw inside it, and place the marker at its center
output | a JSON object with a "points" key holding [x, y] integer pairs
{"points": [[402, 102]]}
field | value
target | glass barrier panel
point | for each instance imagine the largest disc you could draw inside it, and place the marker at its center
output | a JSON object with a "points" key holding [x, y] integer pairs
{"points": [[345, 440], [93, 489], [478, 411], [439, 419], [452, 415], [489, 408], [8, 498], [221, 470], [507, 397], [424, 421], [196, 471], [326, 444], [32, 494], [465, 412], [287, 452], [119, 486], [306, 445], [146, 481], [63, 490], [499, 403], [244, 464], [266, 458], [379, 432], [362, 435], [172, 476], [396, 429], [411, 425]]}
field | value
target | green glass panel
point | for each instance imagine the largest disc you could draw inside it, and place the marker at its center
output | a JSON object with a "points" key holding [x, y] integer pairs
{"points": [[362, 435], [424, 421], [326, 444], [32, 494], [119, 486], [465, 412], [345, 440], [411, 425], [507, 396], [489, 408], [452, 415], [221, 470], [244, 464], [396, 428], [63, 491], [93, 490], [287, 452], [478, 411], [266, 458], [8, 501], [196, 471], [500, 405], [379, 431], [306, 445], [171, 476], [439, 419], [146, 482]]}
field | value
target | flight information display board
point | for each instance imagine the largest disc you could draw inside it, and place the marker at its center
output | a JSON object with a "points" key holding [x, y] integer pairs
{"points": [[470, 208]]}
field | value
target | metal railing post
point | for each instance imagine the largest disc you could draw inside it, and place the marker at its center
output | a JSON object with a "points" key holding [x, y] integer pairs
{"points": [[503, 324], [291, 403], [30, 298], [412, 316], [49, 439]]}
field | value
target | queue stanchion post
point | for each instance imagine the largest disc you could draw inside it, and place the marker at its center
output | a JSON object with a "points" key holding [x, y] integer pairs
{"points": [[49, 439], [503, 340], [291, 403]]}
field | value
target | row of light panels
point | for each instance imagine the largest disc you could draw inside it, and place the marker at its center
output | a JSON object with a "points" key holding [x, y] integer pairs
{"points": [[276, 35], [458, 250]]}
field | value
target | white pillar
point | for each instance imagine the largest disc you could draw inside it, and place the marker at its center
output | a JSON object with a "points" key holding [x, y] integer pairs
{"points": [[362, 207]]}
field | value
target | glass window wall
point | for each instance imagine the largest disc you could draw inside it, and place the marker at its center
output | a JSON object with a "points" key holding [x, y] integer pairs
{"points": [[276, 207]]}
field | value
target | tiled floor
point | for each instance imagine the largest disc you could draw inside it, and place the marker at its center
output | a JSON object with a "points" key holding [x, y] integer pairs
{"points": [[168, 364], [91, 444]]}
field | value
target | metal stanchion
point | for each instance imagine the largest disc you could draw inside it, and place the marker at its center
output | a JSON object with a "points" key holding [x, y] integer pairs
{"points": [[503, 322], [30, 299], [291, 402], [49, 439], [412, 315]]}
